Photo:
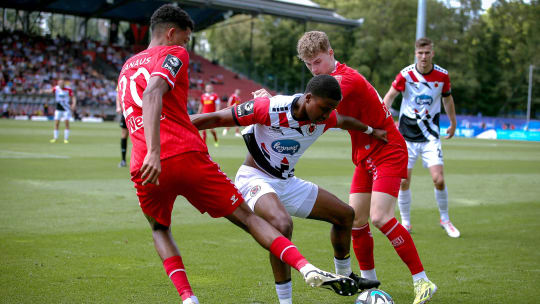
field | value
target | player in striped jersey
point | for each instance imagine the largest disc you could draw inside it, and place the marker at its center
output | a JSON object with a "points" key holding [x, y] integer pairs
{"points": [[279, 130], [62, 96], [423, 86]]}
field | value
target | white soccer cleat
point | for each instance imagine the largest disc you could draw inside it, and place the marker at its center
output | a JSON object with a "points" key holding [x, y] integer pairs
{"points": [[191, 300], [450, 229], [341, 285]]}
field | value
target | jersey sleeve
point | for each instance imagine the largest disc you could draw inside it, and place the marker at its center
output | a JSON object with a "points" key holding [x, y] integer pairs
{"points": [[447, 90], [252, 112], [170, 63], [399, 83], [70, 92], [331, 122]]}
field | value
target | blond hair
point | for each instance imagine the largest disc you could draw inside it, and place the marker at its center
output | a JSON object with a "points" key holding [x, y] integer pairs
{"points": [[311, 44]]}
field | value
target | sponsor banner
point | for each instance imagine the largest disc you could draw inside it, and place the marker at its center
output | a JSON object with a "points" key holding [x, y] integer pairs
{"points": [[493, 128]]}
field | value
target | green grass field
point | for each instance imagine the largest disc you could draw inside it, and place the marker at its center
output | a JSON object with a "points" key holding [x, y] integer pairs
{"points": [[71, 230]]}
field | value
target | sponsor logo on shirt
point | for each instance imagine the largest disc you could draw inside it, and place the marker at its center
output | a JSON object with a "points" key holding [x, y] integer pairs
{"points": [[172, 64], [245, 109], [286, 146], [311, 129], [423, 100], [254, 190]]}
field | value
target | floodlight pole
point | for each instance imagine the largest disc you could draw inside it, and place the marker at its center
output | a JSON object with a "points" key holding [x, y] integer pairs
{"points": [[529, 97], [421, 20]]}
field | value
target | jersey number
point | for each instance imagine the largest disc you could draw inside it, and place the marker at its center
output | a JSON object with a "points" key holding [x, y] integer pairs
{"points": [[122, 86]]}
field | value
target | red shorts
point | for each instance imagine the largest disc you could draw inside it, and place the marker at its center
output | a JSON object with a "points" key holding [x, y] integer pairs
{"points": [[194, 176], [381, 171]]}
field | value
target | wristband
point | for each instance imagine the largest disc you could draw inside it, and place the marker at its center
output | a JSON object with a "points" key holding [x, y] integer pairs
{"points": [[369, 130]]}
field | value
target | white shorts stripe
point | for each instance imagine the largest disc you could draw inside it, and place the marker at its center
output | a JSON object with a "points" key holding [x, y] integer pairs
{"points": [[391, 229], [283, 252], [175, 271]]}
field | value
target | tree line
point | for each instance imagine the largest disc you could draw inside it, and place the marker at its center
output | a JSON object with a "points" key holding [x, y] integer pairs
{"points": [[487, 53]]}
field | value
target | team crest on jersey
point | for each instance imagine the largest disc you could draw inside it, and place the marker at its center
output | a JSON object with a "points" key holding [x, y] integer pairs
{"points": [[286, 146], [245, 109], [253, 191], [311, 129], [172, 64], [338, 78], [423, 100]]}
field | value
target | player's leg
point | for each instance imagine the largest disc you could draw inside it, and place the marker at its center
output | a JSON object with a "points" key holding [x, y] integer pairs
{"points": [[123, 141], [225, 131], [433, 159], [57, 115], [171, 259], [404, 196], [214, 134], [237, 132], [66, 130], [383, 203], [331, 209], [362, 240]]}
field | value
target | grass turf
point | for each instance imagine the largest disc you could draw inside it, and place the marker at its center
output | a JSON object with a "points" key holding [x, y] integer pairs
{"points": [[71, 230]]}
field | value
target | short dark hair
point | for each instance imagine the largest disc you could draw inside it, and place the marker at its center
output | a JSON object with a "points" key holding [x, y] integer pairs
{"points": [[169, 13], [325, 86], [422, 42]]}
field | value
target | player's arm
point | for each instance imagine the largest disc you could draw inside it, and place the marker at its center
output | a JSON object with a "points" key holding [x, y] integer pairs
{"points": [[221, 118], [390, 96], [152, 105], [449, 107], [73, 102], [350, 123], [118, 106]]}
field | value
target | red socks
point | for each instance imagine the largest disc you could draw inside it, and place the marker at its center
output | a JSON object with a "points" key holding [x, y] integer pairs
{"points": [[403, 244], [286, 251], [176, 272], [362, 241]]}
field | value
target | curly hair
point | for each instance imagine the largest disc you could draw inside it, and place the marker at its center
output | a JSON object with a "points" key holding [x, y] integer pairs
{"points": [[324, 86], [311, 44], [171, 14]]}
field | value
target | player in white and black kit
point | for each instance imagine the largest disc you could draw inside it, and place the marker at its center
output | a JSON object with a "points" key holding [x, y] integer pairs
{"points": [[423, 86], [279, 131], [62, 96]]}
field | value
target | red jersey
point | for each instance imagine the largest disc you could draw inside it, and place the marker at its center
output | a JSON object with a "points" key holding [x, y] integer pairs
{"points": [[208, 102], [177, 134], [361, 101], [233, 100]]}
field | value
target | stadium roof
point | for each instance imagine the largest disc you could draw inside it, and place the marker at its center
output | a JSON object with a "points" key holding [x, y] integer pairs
{"points": [[204, 12]]}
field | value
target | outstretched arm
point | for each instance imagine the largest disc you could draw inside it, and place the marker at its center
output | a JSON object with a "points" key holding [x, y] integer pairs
{"points": [[390, 96], [350, 123], [221, 118]]}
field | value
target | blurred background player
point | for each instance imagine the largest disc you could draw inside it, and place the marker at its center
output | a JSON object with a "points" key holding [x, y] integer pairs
{"points": [[422, 86], [279, 130], [209, 103], [379, 167], [64, 110], [234, 100], [124, 132], [169, 157]]}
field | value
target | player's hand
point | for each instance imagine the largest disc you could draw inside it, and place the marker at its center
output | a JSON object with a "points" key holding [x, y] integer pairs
{"points": [[118, 110], [151, 169], [380, 135], [261, 93], [450, 132]]}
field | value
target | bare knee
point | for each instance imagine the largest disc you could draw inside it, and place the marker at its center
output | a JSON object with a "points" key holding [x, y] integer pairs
{"points": [[283, 224], [405, 184], [379, 219], [438, 181]]}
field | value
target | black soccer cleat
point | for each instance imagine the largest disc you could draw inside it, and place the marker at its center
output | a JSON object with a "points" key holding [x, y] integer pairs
{"points": [[364, 283], [341, 285]]}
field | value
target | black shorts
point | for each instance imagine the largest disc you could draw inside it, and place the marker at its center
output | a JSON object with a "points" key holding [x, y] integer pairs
{"points": [[123, 122]]}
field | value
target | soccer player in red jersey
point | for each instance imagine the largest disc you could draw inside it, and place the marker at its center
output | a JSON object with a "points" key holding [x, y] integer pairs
{"points": [[278, 132], [209, 102], [379, 167], [169, 157], [423, 86], [234, 100]]}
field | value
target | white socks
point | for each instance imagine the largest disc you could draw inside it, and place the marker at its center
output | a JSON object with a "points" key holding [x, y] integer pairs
{"points": [[441, 196], [55, 134], [404, 203], [343, 267], [66, 134], [368, 274], [307, 268], [420, 275], [284, 292]]}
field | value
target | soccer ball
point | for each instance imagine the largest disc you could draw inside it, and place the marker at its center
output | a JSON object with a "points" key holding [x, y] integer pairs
{"points": [[374, 296]]}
